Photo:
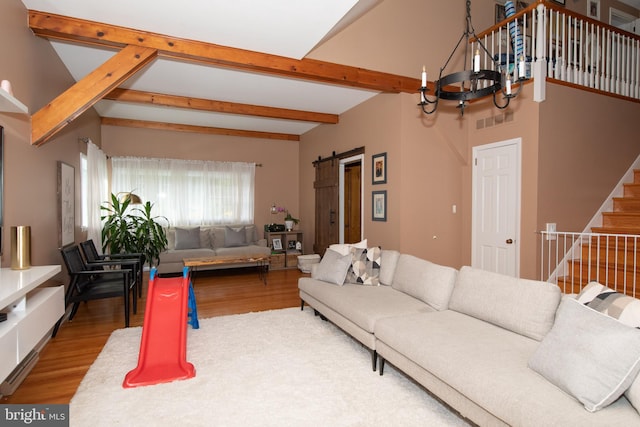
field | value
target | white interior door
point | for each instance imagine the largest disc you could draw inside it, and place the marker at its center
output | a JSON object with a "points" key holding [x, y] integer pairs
{"points": [[496, 207]]}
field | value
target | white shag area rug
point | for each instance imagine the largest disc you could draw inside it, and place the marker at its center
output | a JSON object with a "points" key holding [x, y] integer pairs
{"points": [[275, 368]]}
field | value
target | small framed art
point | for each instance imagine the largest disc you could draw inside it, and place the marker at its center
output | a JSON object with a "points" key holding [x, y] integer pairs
{"points": [[379, 168], [593, 9], [379, 205], [500, 13], [277, 244], [66, 204]]}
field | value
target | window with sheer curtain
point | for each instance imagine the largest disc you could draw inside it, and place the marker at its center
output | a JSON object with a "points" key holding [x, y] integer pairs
{"points": [[189, 192], [94, 189]]}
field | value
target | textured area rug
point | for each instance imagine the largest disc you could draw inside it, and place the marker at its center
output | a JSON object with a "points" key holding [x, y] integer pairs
{"points": [[274, 368]]}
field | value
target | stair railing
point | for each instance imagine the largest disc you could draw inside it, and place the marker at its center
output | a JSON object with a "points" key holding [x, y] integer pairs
{"points": [[567, 47], [572, 260]]}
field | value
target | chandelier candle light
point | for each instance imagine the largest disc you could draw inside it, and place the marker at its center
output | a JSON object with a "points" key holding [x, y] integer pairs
{"points": [[476, 83]]}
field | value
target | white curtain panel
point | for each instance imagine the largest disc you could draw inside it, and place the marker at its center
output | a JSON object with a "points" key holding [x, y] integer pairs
{"points": [[189, 192], [98, 191]]}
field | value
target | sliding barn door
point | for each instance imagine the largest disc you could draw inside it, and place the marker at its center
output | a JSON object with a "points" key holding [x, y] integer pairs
{"points": [[326, 186]]}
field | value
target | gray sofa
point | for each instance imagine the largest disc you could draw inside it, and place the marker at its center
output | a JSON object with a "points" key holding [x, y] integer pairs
{"points": [[213, 240], [498, 350]]}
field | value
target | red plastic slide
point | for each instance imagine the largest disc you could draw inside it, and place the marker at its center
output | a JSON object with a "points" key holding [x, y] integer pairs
{"points": [[163, 348]]}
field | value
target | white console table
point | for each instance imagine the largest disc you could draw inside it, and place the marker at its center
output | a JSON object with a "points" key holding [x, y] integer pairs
{"points": [[31, 312]]}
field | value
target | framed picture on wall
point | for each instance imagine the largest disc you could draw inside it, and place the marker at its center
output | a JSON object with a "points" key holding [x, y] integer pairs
{"points": [[500, 13], [379, 168], [66, 204], [379, 205], [593, 9]]}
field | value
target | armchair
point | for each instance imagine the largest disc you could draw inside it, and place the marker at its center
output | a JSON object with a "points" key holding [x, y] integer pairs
{"points": [[88, 284]]}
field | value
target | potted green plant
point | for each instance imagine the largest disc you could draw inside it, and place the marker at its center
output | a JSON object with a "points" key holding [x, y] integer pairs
{"points": [[132, 230], [289, 221]]}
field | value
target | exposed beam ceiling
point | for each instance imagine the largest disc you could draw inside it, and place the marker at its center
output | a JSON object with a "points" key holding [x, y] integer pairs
{"points": [[76, 100], [100, 34], [207, 87], [128, 95]]}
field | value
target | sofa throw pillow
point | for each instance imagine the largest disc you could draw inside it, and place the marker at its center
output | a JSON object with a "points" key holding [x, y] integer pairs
{"points": [[187, 238], [365, 266], [589, 292], [234, 238], [589, 355], [345, 248], [622, 307], [333, 267], [251, 234]]}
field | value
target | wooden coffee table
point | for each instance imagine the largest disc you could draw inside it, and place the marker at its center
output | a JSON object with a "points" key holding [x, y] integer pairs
{"points": [[261, 263]]}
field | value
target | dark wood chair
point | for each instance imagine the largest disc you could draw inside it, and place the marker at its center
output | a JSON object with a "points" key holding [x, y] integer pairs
{"points": [[88, 284], [133, 261]]}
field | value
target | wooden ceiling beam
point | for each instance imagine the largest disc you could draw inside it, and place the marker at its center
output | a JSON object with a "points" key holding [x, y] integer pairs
{"points": [[84, 94], [95, 33], [146, 124], [129, 95]]}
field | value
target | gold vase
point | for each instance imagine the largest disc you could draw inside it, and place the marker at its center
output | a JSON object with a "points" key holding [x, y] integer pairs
{"points": [[20, 247]]}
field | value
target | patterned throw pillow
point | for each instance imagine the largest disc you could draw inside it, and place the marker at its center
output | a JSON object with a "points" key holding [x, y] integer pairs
{"points": [[365, 266], [624, 308]]}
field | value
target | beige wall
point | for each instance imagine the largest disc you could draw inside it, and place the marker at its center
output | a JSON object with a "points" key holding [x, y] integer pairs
{"points": [[30, 173], [375, 126], [276, 181], [523, 124], [401, 36], [581, 164], [429, 158]]}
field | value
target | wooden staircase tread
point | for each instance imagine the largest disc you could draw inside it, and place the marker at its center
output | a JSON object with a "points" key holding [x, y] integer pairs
{"points": [[612, 265], [621, 214], [616, 230]]}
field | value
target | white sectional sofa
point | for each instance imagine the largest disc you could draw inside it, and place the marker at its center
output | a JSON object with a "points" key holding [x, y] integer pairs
{"points": [[497, 349], [214, 240]]}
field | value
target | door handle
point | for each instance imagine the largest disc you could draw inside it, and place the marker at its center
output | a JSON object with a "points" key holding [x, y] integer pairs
{"points": [[509, 241], [332, 216]]}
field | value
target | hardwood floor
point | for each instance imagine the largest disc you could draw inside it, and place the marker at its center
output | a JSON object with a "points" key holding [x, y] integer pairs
{"points": [[66, 358]]}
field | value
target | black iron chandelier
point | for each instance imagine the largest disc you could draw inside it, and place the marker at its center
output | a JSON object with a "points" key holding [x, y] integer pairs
{"points": [[474, 83]]}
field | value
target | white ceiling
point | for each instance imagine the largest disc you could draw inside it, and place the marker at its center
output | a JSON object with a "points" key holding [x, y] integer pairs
{"points": [[290, 28], [632, 3]]}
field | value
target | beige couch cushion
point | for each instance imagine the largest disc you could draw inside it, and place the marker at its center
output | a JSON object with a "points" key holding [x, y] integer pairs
{"points": [[429, 282], [488, 364], [218, 233], [363, 305], [526, 307], [388, 264]]}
